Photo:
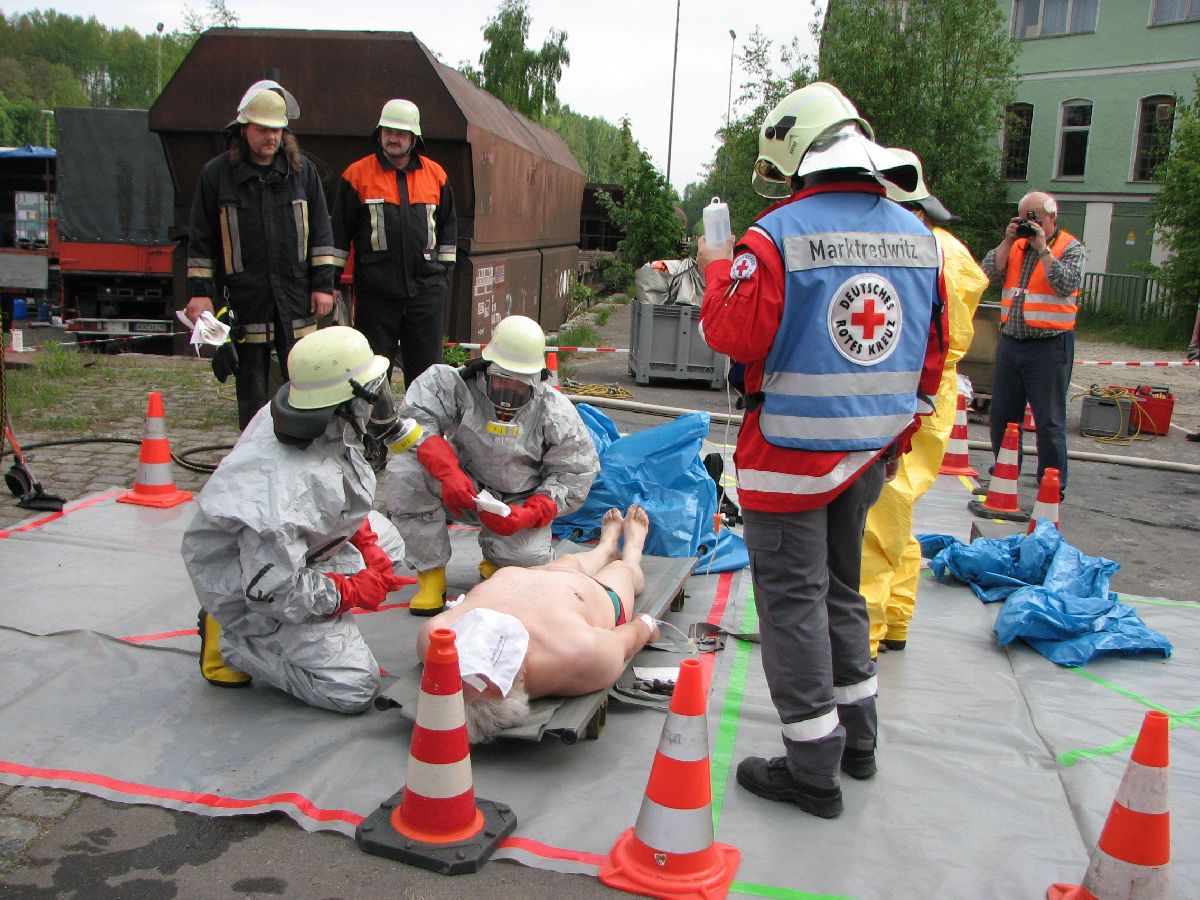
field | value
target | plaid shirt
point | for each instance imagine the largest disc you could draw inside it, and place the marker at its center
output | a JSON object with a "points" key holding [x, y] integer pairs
{"points": [[1065, 275]]}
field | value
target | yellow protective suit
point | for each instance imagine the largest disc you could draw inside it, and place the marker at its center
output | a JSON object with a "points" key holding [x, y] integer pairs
{"points": [[891, 557]]}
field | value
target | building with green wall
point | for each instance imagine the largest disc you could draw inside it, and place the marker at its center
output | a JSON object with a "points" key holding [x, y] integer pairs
{"points": [[1093, 111]]}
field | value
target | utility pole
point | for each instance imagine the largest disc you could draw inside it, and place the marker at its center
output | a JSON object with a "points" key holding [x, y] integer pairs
{"points": [[732, 50], [674, 64]]}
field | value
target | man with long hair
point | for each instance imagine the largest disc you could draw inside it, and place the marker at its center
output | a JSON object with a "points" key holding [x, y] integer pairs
{"points": [[260, 245]]}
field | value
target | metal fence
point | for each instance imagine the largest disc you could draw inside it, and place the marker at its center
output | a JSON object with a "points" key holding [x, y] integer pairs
{"points": [[1134, 298]]}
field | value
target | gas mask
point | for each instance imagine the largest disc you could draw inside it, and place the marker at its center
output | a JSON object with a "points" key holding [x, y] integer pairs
{"points": [[375, 403], [509, 393]]}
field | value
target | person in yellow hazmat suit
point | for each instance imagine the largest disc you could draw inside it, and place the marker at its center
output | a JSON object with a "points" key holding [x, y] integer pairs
{"points": [[891, 556]]}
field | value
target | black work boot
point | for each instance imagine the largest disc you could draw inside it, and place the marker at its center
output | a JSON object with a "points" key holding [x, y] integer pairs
{"points": [[859, 764], [770, 778]]}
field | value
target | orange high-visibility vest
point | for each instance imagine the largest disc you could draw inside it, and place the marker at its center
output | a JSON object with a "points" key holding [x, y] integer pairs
{"points": [[1043, 307]]}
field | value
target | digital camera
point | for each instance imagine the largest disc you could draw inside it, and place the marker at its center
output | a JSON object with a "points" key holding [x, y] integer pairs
{"points": [[1024, 229]]}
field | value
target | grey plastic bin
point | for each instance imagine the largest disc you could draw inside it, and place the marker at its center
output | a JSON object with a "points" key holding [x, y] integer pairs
{"points": [[665, 342]]}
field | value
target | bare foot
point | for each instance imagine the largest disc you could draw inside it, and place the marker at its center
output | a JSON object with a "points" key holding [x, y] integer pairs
{"points": [[610, 532], [635, 527]]}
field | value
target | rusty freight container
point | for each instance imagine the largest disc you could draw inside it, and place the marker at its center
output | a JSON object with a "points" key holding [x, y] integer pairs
{"points": [[517, 188]]}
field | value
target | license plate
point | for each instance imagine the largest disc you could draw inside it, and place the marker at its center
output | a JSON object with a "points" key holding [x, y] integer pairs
{"points": [[150, 327]]}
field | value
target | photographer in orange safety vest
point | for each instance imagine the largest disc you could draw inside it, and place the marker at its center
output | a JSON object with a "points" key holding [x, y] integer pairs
{"points": [[1040, 267]]}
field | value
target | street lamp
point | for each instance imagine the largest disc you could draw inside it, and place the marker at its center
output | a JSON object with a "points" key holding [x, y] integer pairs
{"points": [[158, 77], [729, 98], [674, 61]]}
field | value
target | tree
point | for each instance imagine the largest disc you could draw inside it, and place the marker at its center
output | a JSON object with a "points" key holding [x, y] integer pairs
{"points": [[934, 76], [594, 142], [647, 212], [216, 14], [1177, 210], [525, 79]]}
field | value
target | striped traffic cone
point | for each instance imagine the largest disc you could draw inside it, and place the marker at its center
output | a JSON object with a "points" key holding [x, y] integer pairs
{"points": [[153, 485], [552, 368], [1027, 424], [1135, 846], [956, 461], [1046, 507], [435, 822], [671, 850], [1001, 500]]}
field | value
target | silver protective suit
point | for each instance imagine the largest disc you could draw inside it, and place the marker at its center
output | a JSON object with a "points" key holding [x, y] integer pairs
{"points": [[551, 454], [271, 520]]}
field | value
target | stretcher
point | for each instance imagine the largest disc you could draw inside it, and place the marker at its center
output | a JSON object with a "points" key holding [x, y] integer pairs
{"points": [[569, 718]]}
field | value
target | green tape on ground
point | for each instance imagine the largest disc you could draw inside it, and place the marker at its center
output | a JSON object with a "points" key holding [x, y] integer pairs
{"points": [[731, 711], [1158, 601], [770, 890], [1190, 719]]}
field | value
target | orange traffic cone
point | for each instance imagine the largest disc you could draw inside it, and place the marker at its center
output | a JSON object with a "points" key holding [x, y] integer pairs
{"points": [[154, 485], [956, 461], [435, 822], [1001, 500], [1028, 424], [671, 851], [1135, 846], [1046, 507], [552, 367]]}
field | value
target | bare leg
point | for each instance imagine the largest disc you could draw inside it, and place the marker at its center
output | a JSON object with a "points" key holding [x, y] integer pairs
{"points": [[605, 551], [635, 528]]}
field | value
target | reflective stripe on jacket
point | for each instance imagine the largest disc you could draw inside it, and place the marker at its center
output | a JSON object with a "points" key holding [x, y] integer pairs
{"points": [[263, 239], [1043, 308], [861, 288], [403, 229]]}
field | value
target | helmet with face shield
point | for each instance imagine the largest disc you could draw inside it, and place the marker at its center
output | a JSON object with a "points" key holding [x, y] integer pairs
{"points": [[333, 371]]}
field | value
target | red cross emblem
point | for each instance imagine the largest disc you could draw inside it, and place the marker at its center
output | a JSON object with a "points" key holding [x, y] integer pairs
{"points": [[868, 320], [743, 267]]}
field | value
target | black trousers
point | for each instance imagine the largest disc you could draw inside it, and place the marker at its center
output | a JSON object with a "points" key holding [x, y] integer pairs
{"points": [[413, 325]]}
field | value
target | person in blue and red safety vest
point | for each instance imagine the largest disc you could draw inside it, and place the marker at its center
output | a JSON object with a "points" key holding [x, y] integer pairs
{"points": [[396, 209], [833, 305]]}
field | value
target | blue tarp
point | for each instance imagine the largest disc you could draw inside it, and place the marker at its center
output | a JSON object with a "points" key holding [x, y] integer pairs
{"points": [[1055, 598], [28, 152], [660, 470]]}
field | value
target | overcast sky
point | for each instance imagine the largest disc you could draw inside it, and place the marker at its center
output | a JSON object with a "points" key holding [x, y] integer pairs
{"points": [[621, 50]]}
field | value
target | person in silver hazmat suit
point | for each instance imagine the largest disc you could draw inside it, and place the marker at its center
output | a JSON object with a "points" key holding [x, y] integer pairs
{"points": [[496, 425], [281, 547]]}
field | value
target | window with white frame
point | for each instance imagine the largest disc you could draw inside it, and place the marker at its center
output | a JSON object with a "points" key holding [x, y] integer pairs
{"points": [[1018, 124], [1167, 12], [1073, 138], [1049, 18], [1156, 115]]}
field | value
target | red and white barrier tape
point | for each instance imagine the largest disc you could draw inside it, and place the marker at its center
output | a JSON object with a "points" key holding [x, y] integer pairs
{"points": [[548, 349], [1161, 364]]}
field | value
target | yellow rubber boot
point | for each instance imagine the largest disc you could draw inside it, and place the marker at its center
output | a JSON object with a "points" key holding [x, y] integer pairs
{"points": [[212, 664], [430, 598], [487, 569]]}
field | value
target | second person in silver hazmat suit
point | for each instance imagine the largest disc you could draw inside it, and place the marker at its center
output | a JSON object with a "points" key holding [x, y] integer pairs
{"points": [[281, 547], [496, 425]]}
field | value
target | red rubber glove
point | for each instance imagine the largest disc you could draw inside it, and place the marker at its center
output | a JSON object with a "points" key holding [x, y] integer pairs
{"points": [[440, 460], [537, 511], [367, 589], [366, 541]]}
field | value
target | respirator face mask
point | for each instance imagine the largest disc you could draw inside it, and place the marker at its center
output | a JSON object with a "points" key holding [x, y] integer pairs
{"points": [[383, 417], [508, 393]]}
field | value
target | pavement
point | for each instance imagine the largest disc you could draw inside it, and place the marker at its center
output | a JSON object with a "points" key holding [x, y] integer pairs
{"points": [[1138, 504]]}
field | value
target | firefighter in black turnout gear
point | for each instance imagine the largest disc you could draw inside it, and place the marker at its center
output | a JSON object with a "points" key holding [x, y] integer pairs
{"points": [[260, 249]]}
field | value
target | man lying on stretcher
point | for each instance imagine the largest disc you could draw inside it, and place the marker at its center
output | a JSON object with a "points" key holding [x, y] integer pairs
{"points": [[562, 629]]}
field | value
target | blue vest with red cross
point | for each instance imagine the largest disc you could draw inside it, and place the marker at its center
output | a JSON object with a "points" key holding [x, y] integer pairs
{"points": [[861, 288]]}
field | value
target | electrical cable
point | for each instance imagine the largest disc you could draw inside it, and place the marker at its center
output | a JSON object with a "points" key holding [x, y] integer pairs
{"points": [[180, 459]]}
